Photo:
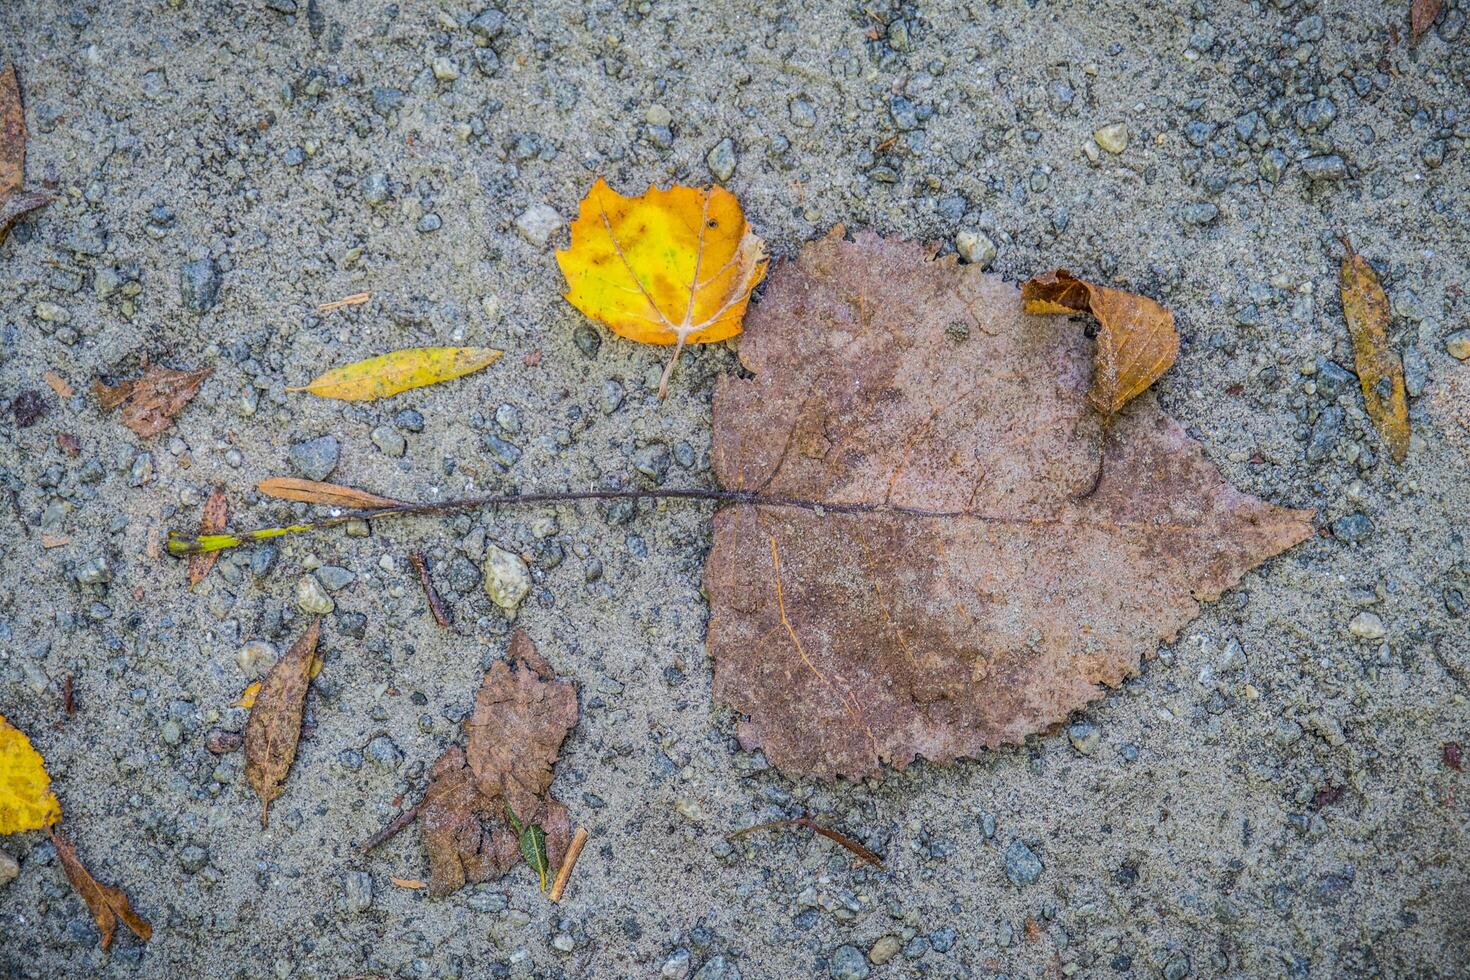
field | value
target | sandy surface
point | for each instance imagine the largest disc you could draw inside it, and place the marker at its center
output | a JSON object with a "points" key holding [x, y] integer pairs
{"points": [[1269, 798]]}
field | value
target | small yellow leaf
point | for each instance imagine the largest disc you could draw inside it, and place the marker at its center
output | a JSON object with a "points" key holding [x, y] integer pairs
{"points": [[1380, 371], [26, 800], [669, 267], [247, 699], [388, 374]]}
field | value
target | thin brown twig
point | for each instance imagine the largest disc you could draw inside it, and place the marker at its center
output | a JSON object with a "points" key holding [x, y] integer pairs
{"points": [[338, 304], [442, 616], [394, 826], [68, 695], [574, 851], [806, 821]]}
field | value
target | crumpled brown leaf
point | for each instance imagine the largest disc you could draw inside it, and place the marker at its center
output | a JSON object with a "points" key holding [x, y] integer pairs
{"points": [[106, 904], [216, 515], [1380, 371], [522, 715], [151, 402], [274, 728], [15, 202], [962, 588], [1136, 339]]}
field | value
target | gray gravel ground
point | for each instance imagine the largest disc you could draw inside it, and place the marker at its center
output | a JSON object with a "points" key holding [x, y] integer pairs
{"points": [[1268, 799]]}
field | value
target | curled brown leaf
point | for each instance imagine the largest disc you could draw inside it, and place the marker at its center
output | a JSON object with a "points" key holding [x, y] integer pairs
{"points": [[274, 728], [1136, 339]]}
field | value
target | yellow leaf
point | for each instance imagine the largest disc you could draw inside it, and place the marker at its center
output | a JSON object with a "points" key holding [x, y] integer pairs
{"points": [[669, 267], [388, 374], [26, 800], [247, 699], [1380, 371]]}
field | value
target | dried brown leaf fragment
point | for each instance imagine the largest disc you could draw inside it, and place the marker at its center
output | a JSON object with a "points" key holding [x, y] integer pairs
{"points": [[274, 728], [108, 905], [15, 201], [1422, 14], [150, 403]]}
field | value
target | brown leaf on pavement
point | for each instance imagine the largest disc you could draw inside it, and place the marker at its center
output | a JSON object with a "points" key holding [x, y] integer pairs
{"points": [[1136, 339], [962, 589], [216, 515], [274, 727], [150, 403], [15, 201], [1380, 371], [522, 715], [460, 848], [1422, 14], [106, 904]]}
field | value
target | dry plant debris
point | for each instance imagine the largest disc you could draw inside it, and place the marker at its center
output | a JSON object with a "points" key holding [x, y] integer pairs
{"points": [[400, 370], [1380, 371], [150, 403], [274, 728]]}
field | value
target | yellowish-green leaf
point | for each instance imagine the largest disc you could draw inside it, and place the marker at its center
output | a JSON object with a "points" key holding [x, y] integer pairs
{"points": [[388, 374], [26, 800]]}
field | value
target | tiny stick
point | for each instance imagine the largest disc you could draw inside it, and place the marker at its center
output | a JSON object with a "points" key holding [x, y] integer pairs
{"points": [[394, 826], [573, 852]]}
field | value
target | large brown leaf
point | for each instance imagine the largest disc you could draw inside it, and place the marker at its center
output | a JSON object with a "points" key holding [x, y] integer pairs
{"points": [[107, 904], [274, 728], [151, 402], [966, 585], [522, 715], [460, 848]]}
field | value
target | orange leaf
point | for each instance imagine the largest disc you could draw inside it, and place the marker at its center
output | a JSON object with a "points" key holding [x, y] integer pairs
{"points": [[326, 494], [151, 402], [668, 267], [413, 883], [1137, 341], [216, 514], [59, 384], [1380, 372], [106, 904]]}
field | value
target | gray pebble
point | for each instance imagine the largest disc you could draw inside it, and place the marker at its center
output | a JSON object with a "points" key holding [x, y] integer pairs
{"points": [[488, 25], [141, 470], [1333, 380], [383, 752], [1352, 528], [848, 963], [389, 441], [94, 571], [587, 339], [311, 598], [676, 967], [1325, 434], [721, 160], [507, 579], [1330, 167], [375, 188], [718, 967], [1022, 865], [884, 950], [1112, 137], [315, 459], [803, 113], [1457, 345], [357, 891], [1199, 213], [410, 420], [199, 283], [1084, 736], [263, 560], [1272, 165], [429, 223], [9, 869], [538, 223], [193, 858], [335, 578], [975, 247], [612, 396]]}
